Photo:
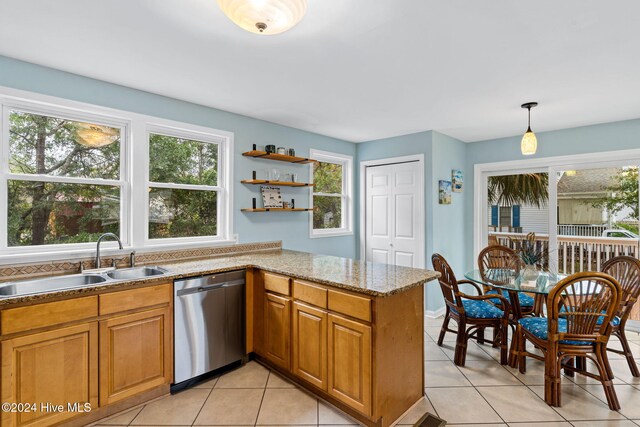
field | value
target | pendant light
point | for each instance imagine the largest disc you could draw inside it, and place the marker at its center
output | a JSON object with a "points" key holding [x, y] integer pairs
{"points": [[94, 136], [266, 17], [529, 143]]}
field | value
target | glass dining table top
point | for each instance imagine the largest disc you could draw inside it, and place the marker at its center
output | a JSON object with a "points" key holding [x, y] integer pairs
{"points": [[509, 280]]}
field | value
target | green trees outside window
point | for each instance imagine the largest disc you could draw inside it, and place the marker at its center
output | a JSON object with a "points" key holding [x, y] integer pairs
{"points": [[43, 211]]}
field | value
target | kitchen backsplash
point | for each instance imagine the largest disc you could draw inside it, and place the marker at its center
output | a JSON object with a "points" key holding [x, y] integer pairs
{"points": [[55, 268]]}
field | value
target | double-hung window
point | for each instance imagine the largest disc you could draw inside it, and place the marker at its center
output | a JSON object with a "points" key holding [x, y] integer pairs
{"points": [[331, 194], [63, 179], [70, 172], [184, 185]]}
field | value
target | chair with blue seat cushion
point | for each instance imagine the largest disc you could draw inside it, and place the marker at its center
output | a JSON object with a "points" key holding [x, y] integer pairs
{"points": [[502, 258], [472, 313], [626, 270], [526, 301], [580, 311]]}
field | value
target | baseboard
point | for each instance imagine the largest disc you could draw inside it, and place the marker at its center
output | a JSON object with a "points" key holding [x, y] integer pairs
{"points": [[434, 313]]}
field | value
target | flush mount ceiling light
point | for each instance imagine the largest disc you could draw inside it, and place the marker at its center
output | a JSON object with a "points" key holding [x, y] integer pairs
{"points": [[94, 136], [265, 17], [529, 143]]}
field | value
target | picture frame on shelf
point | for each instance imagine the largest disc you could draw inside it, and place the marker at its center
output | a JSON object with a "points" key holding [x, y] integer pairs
{"points": [[271, 197]]}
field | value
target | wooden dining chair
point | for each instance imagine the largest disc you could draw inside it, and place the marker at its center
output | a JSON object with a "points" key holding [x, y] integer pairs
{"points": [[472, 313], [498, 257], [626, 270], [580, 309]]}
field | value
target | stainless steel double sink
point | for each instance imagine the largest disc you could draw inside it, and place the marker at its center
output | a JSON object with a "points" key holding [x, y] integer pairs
{"points": [[50, 284]]}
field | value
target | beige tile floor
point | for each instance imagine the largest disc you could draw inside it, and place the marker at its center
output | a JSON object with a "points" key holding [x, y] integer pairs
{"points": [[483, 393]]}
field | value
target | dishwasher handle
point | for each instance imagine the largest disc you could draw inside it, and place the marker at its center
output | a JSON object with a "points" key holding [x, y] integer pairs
{"points": [[205, 288]]}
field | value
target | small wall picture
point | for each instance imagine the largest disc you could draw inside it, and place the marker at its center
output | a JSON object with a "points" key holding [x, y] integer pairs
{"points": [[271, 197], [457, 181], [444, 192]]}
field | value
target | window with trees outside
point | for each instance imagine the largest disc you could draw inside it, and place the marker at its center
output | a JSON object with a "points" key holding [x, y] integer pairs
{"points": [[72, 171], [64, 182], [183, 187], [331, 194]]}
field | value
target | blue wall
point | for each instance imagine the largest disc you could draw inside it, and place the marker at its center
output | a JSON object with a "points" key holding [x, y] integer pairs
{"points": [[445, 228], [290, 227]]}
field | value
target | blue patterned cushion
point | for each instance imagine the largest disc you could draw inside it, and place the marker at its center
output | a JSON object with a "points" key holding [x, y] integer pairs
{"points": [[481, 309], [615, 321], [525, 300], [539, 327]]}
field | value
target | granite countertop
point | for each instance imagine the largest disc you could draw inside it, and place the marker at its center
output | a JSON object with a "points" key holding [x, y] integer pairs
{"points": [[364, 277]]}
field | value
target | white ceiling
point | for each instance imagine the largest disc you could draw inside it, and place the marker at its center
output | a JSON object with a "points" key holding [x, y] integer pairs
{"points": [[356, 69]]}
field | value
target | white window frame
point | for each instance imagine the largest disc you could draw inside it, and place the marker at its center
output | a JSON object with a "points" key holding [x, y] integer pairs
{"points": [[347, 193], [550, 165], [133, 179], [222, 177]]}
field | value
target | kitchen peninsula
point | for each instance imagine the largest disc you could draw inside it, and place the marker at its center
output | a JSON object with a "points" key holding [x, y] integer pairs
{"points": [[350, 332]]}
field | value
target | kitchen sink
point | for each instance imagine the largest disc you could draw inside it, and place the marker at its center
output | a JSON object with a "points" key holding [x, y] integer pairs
{"points": [[135, 273], [49, 284]]}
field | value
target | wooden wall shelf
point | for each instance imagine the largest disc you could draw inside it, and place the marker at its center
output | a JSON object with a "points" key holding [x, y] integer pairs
{"points": [[279, 157], [276, 209], [277, 183]]}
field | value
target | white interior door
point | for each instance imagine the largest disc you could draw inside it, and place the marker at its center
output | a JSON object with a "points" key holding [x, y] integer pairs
{"points": [[393, 204]]}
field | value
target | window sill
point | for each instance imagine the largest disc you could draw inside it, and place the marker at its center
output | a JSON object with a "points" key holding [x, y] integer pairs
{"points": [[107, 249], [331, 233]]}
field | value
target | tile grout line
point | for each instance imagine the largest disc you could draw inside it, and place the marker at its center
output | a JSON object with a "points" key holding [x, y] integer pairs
{"points": [[264, 391], [137, 415], [204, 403]]}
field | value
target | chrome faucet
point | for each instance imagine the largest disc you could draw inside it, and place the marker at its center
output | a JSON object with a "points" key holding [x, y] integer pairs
{"points": [[98, 246]]}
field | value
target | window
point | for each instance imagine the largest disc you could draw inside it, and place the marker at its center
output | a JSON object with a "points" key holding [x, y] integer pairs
{"points": [[64, 182], [183, 187], [72, 171], [331, 194]]}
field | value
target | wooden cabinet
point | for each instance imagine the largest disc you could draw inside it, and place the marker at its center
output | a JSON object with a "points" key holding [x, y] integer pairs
{"points": [[310, 344], [349, 362], [135, 354], [277, 329], [98, 349], [360, 352], [59, 366]]}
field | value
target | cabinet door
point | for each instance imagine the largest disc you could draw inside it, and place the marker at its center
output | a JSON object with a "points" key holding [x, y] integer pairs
{"points": [[349, 348], [59, 367], [310, 344], [135, 354], [277, 330]]}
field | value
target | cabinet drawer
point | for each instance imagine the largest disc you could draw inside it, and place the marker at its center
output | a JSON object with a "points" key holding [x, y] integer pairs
{"points": [[351, 305], [276, 283], [310, 293], [47, 314], [135, 298]]}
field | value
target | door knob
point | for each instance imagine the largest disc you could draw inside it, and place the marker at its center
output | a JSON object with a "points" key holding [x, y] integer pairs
{"points": [[391, 244]]}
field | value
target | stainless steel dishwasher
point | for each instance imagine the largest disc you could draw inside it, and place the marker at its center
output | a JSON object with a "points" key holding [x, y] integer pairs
{"points": [[209, 325]]}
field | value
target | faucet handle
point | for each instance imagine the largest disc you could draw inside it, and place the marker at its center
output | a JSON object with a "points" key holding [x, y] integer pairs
{"points": [[81, 267], [132, 259], [114, 263]]}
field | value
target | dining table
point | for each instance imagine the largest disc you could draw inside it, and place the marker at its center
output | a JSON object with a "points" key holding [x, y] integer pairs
{"points": [[515, 282]]}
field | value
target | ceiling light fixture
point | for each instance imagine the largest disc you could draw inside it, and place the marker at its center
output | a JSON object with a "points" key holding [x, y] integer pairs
{"points": [[529, 143], [94, 136], [265, 17]]}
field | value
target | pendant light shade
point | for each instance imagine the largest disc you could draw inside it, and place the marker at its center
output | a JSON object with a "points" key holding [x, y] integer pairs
{"points": [[529, 143], [94, 136], [265, 17]]}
